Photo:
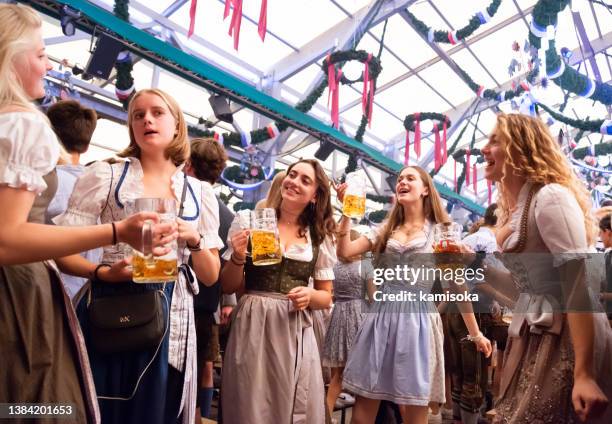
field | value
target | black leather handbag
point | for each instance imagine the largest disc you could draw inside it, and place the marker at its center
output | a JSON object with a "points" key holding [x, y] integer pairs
{"points": [[126, 322]]}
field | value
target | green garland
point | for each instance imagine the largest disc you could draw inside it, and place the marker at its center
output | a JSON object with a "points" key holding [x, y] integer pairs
{"points": [[601, 149], [124, 79], [409, 120], [238, 206], [546, 13], [374, 67], [377, 216], [581, 124], [441, 36]]}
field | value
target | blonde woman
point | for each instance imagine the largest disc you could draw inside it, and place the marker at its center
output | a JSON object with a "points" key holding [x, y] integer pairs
{"points": [[273, 196], [42, 348], [557, 368], [397, 354], [149, 385]]}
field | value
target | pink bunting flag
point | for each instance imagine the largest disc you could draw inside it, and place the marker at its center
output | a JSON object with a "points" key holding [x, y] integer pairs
{"points": [[407, 150], [263, 20], [334, 92], [475, 179], [226, 11], [236, 22], [437, 148], [417, 134], [192, 15], [367, 95], [467, 165], [444, 148]]}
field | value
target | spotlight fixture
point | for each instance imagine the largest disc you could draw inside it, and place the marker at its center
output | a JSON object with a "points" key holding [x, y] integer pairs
{"points": [[221, 108], [76, 70], [325, 149], [67, 19]]}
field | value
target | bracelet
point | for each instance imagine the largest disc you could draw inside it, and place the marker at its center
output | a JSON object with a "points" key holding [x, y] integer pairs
{"points": [[114, 233], [235, 261], [95, 273], [197, 247], [474, 338]]}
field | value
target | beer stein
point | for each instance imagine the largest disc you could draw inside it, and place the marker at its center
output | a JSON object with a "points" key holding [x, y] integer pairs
{"points": [[265, 243], [354, 202], [447, 237], [147, 268]]}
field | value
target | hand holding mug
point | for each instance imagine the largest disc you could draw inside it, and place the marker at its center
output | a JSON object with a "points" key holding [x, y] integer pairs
{"points": [[239, 240]]}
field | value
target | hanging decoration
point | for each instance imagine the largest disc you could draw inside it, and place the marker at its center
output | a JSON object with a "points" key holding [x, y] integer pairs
{"points": [[335, 77], [192, 16], [441, 122], [545, 15], [236, 19], [124, 84], [453, 37]]}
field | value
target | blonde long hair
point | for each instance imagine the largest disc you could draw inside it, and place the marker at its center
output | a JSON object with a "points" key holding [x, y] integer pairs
{"points": [[16, 34], [274, 193], [432, 208], [535, 155], [179, 149]]}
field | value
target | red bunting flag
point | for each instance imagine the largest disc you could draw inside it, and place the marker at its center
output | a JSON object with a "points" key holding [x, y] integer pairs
{"points": [[475, 179], [417, 134], [467, 166], [444, 148], [263, 20], [407, 149], [234, 29], [334, 93], [437, 148], [192, 15]]}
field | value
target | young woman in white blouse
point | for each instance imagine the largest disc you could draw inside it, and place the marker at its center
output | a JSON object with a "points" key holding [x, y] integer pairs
{"points": [[42, 349], [272, 369], [130, 389]]}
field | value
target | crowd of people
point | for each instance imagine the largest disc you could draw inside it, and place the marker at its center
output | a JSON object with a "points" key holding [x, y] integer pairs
{"points": [[311, 318]]}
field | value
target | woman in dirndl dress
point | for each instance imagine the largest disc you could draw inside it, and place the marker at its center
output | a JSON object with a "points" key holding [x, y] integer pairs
{"points": [[398, 351], [272, 368], [558, 361]]}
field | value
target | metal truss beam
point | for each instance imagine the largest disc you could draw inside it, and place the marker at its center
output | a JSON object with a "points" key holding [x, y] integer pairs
{"points": [[344, 32], [437, 59]]}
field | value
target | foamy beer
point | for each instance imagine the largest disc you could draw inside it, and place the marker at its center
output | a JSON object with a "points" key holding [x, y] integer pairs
{"points": [[147, 268], [354, 201], [446, 243], [265, 244]]}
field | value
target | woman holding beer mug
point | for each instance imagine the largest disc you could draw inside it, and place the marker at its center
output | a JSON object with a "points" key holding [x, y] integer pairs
{"points": [[558, 368], [42, 348], [148, 385], [397, 354], [272, 370]]}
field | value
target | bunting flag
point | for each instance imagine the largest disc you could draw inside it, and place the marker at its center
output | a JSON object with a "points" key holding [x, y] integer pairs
{"points": [[192, 15], [455, 175], [417, 134], [444, 147], [333, 86], [245, 139], [367, 95], [236, 21], [273, 130], [263, 20], [606, 127], [437, 148], [452, 37], [489, 190], [467, 164], [407, 148], [475, 179]]}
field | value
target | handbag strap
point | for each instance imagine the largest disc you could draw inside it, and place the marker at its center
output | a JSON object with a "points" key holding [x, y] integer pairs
{"points": [[183, 194]]}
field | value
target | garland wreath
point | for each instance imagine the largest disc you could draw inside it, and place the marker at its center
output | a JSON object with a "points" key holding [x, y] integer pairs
{"points": [[453, 37], [413, 121], [124, 84]]}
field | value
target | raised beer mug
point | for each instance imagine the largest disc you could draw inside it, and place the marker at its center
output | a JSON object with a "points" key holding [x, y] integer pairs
{"points": [[447, 236], [354, 201], [265, 244], [147, 268]]}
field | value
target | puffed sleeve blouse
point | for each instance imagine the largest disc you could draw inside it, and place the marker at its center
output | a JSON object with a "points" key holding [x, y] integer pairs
{"points": [[28, 150]]}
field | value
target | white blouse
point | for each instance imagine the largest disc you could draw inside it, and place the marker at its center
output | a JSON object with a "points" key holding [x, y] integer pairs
{"points": [[28, 150], [324, 267]]}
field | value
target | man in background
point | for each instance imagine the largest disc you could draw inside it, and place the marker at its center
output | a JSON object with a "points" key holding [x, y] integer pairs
{"points": [[74, 126], [208, 159]]}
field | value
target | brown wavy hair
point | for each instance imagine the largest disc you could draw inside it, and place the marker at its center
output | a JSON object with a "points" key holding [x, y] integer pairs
{"points": [[179, 148], [433, 210], [319, 217], [535, 155]]}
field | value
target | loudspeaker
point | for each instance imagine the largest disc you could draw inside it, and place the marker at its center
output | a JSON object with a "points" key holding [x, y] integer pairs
{"points": [[325, 149], [391, 181], [221, 108], [103, 58]]}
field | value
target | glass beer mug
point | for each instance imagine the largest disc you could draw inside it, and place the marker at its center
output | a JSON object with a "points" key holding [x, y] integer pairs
{"points": [[147, 268], [354, 202], [265, 244], [447, 237]]}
